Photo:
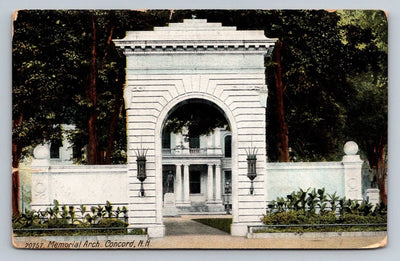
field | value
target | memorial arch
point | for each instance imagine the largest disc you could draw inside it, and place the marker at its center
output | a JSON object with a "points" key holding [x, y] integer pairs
{"points": [[198, 63], [195, 60]]}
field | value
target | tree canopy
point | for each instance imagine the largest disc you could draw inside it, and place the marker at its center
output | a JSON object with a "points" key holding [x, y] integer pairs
{"points": [[368, 110], [197, 117]]}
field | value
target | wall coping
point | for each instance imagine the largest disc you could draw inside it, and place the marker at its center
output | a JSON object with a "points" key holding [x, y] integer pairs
{"points": [[304, 165], [80, 169]]}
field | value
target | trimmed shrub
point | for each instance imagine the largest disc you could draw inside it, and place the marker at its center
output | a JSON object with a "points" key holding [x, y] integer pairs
{"points": [[316, 207], [358, 219], [293, 217], [49, 221], [111, 222], [325, 218], [288, 217]]}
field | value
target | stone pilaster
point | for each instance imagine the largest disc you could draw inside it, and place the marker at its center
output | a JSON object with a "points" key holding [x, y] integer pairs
{"points": [[352, 164]]}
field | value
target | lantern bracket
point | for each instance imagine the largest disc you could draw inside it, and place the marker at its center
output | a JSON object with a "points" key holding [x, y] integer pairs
{"points": [[141, 168], [251, 166]]}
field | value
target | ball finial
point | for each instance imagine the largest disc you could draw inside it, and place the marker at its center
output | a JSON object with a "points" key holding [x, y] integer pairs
{"points": [[41, 152], [350, 148]]}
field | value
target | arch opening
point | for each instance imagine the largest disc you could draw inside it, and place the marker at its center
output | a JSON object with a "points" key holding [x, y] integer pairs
{"points": [[194, 165], [197, 116]]}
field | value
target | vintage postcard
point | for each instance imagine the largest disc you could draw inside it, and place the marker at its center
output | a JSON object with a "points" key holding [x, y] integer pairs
{"points": [[199, 129]]}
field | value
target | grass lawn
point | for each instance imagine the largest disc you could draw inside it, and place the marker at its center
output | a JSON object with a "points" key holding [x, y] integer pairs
{"points": [[223, 224]]}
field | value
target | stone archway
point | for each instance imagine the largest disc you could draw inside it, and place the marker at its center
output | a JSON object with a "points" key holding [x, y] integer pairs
{"points": [[208, 159], [201, 60]]}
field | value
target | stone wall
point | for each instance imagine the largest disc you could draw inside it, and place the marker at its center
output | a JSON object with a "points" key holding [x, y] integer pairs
{"points": [[343, 177], [75, 185], [284, 178], [96, 184]]}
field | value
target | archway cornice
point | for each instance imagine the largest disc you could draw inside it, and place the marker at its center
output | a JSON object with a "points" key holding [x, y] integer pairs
{"points": [[195, 36], [196, 47]]}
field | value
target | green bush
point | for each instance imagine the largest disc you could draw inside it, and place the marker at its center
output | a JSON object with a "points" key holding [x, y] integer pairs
{"points": [[111, 222], [293, 217], [137, 231], [288, 217], [324, 218], [49, 221], [316, 207], [349, 218], [57, 223]]}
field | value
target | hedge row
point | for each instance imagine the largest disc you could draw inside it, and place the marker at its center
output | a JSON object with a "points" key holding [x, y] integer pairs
{"points": [[316, 207], [64, 221]]}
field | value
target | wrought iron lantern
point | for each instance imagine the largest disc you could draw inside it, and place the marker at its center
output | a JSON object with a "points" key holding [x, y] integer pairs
{"points": [[251, 167], [141, 169]]}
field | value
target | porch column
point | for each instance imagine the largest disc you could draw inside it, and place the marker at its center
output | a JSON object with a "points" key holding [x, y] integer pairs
{"points": [[186, 183], [178, 187], [218, 183], [210, 183]]}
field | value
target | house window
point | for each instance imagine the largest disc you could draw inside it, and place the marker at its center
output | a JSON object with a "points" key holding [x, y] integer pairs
{"points": [[166, 140], [228, 146], [194, 142], [55, 150], [194, 182]]}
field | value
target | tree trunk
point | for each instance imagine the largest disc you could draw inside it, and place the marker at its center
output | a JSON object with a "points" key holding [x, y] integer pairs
{"points": [[109, 39], [283, 132], [376, 159], [16, 158], [381, 173], [16, 151], [91, 94], [117, 106], [113, 125]]}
